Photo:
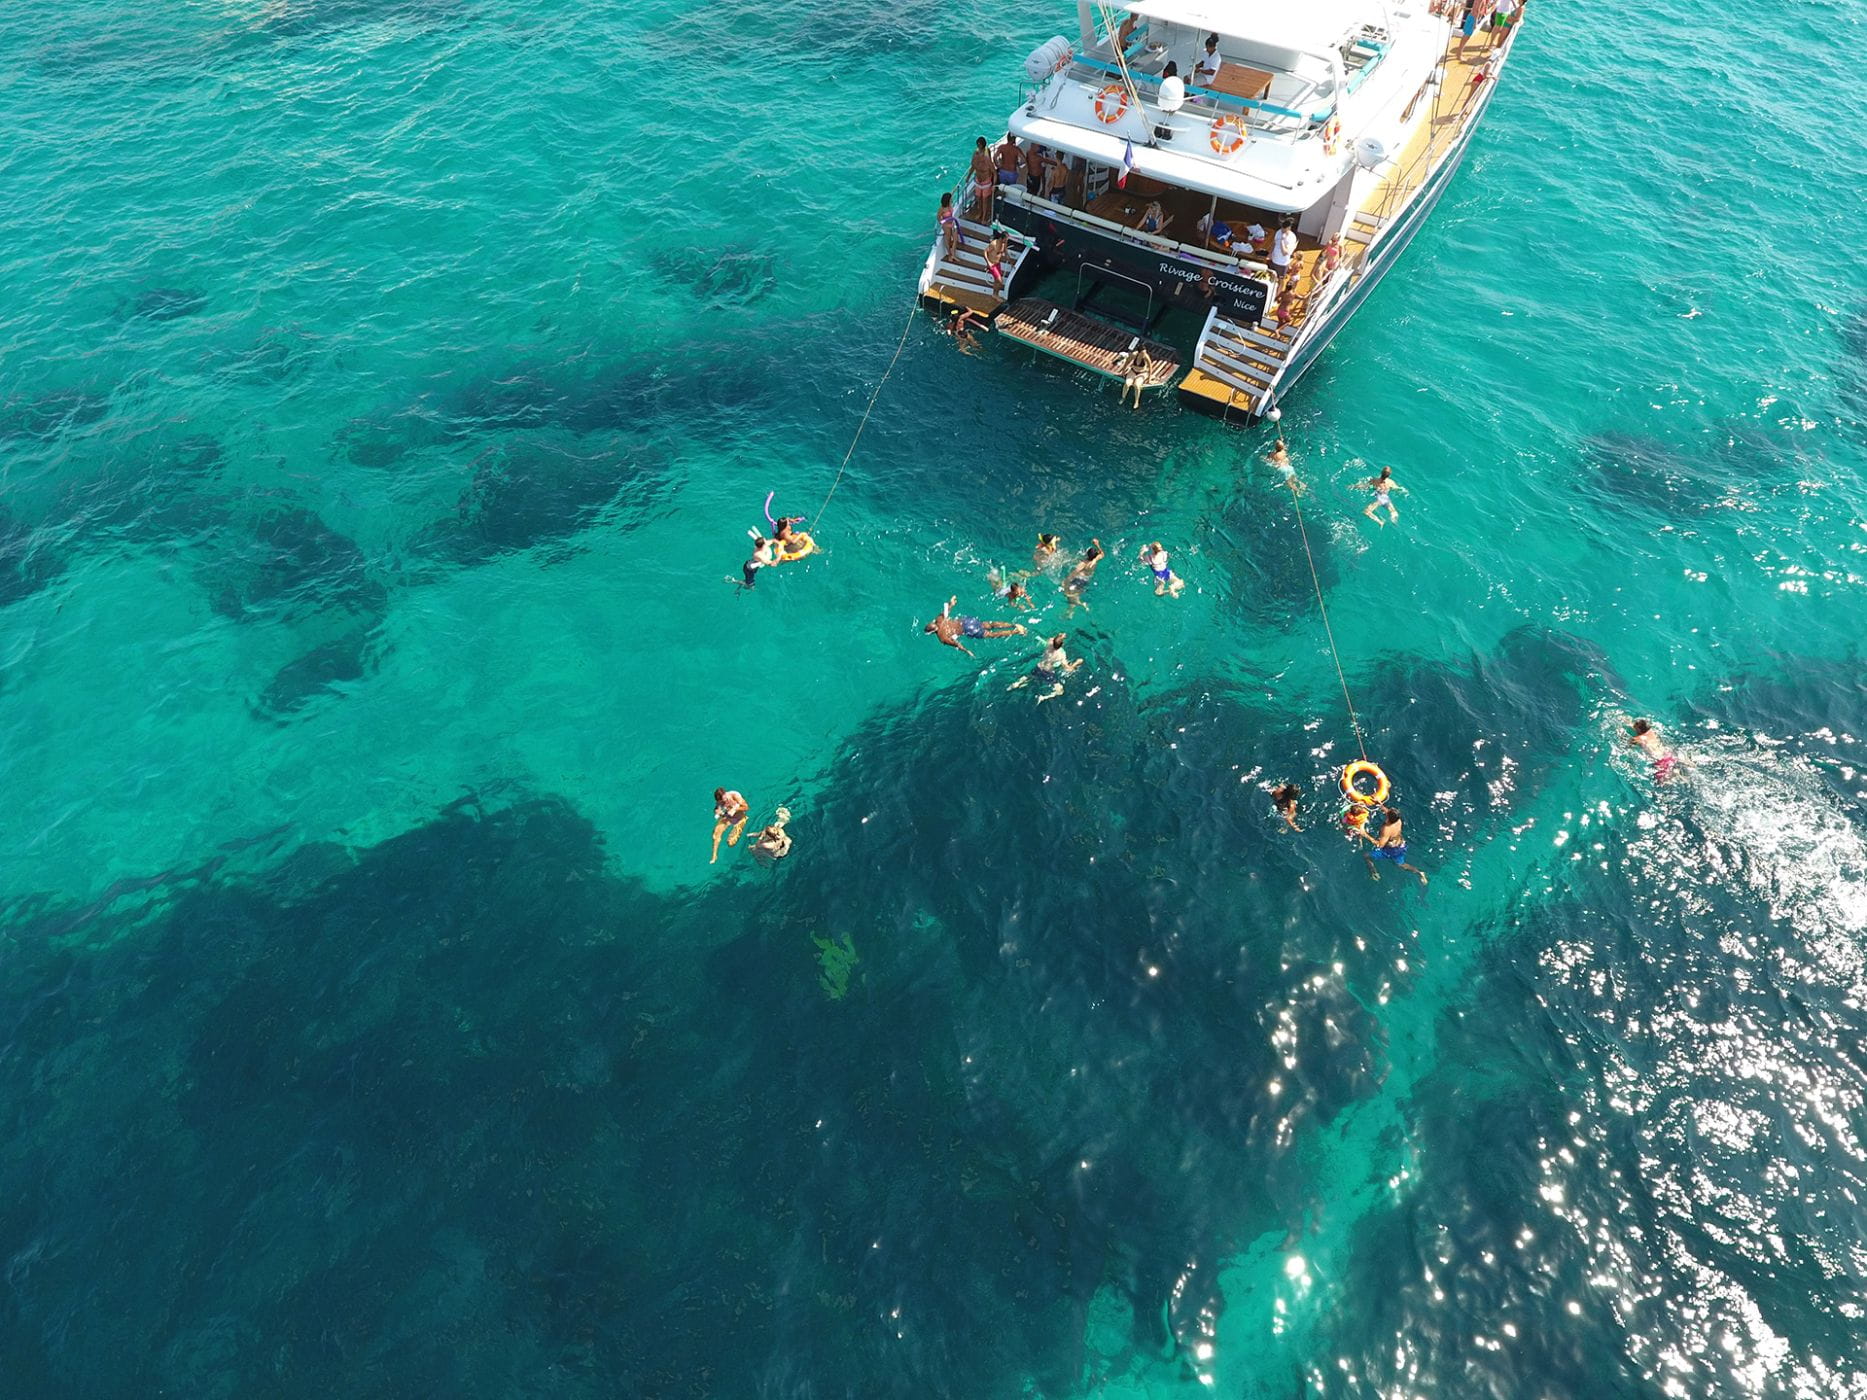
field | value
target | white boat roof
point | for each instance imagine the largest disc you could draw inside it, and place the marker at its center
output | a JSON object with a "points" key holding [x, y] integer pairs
{"points": [[1304, 26]]}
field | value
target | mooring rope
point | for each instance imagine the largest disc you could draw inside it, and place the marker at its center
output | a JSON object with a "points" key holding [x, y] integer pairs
{"points": [[900, 345]]}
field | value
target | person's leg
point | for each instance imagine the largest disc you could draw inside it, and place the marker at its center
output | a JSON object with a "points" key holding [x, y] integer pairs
{"points": [[1175, 584], [1373, 873], [751, 575], [719, 830], [1415, 869], [1393, 512], [1052, 693], [732, 838], [1370, 513]]}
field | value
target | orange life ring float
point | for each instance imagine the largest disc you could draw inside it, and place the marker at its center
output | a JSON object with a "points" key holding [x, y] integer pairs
{"points": [[1104, 113], [1332, 136], [1354, 794], [1223, 143]]}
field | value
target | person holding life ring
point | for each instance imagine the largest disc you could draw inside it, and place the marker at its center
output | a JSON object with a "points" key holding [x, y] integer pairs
{"points": [[1361, 768], [1227, 135], [1111, 104]]}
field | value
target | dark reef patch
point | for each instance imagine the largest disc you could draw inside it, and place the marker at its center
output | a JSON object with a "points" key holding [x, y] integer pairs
{"points": [[532, 491], [51, 414], [166, 303], [293, 562], [28, 561], [719, 277]]}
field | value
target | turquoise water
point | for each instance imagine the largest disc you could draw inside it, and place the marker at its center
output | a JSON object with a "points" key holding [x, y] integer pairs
{"points": [[387, 388]]}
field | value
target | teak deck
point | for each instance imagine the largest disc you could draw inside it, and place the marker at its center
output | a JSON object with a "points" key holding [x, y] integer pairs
{"points": [[1094, 345]]}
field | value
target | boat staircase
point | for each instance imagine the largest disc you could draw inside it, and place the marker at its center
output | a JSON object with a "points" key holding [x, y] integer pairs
{"points": [[1362, 230], [1238, 365], [961, 279]]}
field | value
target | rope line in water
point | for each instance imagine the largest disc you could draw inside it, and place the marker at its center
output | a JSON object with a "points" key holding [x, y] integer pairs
{"points": [[1328, 631], [900, 345]]}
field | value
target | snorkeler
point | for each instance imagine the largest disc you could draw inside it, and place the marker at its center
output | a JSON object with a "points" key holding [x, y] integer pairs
{"points": [[1082, 574], [730, 810], [950, 629], [1391, 844], [1051, 669], [1381, 486], [1165, 579], [764, 555], [1284, 799], [1646, 738], [1010, 589], [1049, 550], [774, 842]]}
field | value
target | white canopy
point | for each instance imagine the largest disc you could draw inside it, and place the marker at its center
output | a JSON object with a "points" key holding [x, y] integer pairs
{"points": [[1302, 26]]}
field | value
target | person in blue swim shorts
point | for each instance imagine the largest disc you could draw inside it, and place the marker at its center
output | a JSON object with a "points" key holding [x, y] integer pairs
{"points": [[1390, 844], [950, 629]]}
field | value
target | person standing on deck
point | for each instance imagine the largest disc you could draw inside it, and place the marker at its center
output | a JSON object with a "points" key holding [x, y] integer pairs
{"points": [[995, 252], [984, 182], [1035, 161], [1287, 304], [1284, 251], [1206, 66], [1501, 18], [1056, 176], [1010, 159], [1468, 26], [947, 222]]}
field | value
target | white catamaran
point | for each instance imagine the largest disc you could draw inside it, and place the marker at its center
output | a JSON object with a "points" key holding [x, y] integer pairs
{"points": [[1250, 168]]}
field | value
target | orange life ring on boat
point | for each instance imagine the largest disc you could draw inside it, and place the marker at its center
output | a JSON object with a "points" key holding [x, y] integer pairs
{"points": [[1332, 136], [1104, 114], [1354, 794], [1222, 143]]}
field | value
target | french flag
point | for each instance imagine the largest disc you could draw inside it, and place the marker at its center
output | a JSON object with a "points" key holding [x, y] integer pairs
{"points": [[1127, 164]]}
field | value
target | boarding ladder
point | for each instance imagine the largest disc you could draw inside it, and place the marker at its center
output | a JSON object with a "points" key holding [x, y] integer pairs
{"points": [[961, 280], [1247, 359]]}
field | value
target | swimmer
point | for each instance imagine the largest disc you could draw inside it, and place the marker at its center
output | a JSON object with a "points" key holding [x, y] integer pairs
{"points": [[764, 555], [1049, 550], [1284, 799], [792, 544], [961, 328], [1646, 738], [1391, 844], [730, 810], [1082, 574], [1051, 669], [774, 842], [1280, 459], [1011, 590], [950, 629], [1165, 579], [1381, 486]]}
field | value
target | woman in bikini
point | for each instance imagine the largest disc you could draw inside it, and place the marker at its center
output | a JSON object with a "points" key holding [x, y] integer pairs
{"points": [[730, 811], [948, 225]]}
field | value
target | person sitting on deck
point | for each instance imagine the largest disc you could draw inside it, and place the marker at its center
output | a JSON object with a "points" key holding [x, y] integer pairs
{"points": [[1206, 67], [1010, 157], [1154, 219], [984, 182], [1135, 368]]}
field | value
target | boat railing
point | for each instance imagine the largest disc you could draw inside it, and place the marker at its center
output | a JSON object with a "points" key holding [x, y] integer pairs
{"points": [[1269, 114], [1082, 218]]}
